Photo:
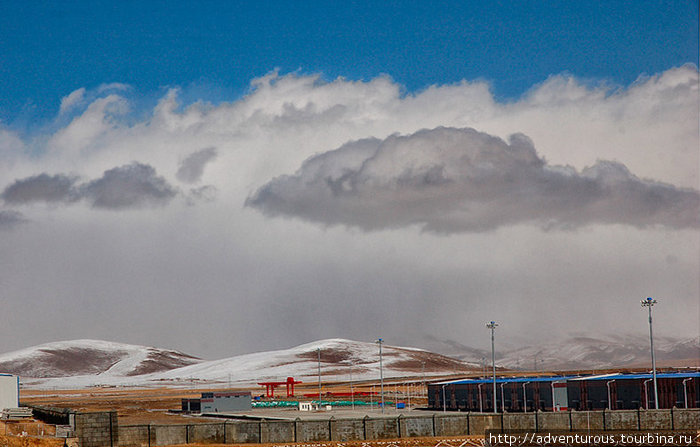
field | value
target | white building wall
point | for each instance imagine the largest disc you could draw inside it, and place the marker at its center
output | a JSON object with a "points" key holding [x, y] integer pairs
{"points": [[9, 393]]}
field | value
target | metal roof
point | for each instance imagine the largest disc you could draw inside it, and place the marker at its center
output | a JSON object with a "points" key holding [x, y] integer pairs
{"points": [[613, 376], [675, 375], [507, 380]]}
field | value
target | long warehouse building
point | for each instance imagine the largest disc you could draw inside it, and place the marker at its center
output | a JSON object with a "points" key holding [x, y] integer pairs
{"points": [[560, 393]]}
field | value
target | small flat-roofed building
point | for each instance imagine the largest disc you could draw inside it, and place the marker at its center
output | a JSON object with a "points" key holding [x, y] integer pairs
{"points": [[225, 401], [191, 405], [9, 391]]}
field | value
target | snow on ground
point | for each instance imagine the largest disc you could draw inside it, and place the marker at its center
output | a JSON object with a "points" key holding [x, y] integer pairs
{"points": [[85, 363], [340, 360]]}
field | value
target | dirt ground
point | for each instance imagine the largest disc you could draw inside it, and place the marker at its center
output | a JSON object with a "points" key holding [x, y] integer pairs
{"points": [[28, 433], [27, 428], [459, 441], [152, 405], [26, 441], [133, 405]]}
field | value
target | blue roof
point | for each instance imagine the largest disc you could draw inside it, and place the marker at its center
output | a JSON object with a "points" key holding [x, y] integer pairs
{"points": [[674, 375], [614, 376], [507, 380]]}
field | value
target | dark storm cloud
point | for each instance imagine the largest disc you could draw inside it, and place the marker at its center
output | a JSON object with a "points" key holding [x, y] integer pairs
{"points": [[459, 180], [127, 186], [10, 219], [41, 188], [192, 167]]}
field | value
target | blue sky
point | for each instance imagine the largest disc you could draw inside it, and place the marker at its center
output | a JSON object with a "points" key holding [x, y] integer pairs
{"points": [[213, 49]]}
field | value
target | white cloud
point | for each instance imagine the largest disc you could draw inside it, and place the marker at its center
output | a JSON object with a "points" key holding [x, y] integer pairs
{"points": [[86, 130], [452, 180], [68, 102], [118, 86], [260, 283]]}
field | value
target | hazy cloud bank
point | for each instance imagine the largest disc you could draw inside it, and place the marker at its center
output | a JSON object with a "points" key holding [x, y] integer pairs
{"points": [[10, 219], [451, 180]]}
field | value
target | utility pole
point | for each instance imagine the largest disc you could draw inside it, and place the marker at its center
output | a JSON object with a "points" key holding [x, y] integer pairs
{"points": [[381, 371], [492, 325], [352, 391], [319, 376], [649, 303]]}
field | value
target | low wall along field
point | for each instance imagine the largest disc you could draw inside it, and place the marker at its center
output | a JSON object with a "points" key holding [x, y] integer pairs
{"points": [[101, 429]]}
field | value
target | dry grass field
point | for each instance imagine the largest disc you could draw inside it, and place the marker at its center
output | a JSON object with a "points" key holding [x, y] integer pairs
{"points": [[26, 441], [153, 405]]}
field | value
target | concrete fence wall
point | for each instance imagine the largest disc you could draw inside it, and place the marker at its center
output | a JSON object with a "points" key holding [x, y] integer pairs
{"points": [[411, 427], [96, 429], [308, 431], [381, 428], [452, 425], [102, 430], [277, 431], [520, 421], [347, 429], [587, 420], [135, 435], [243, 432], [166, 434], [456, 424]]}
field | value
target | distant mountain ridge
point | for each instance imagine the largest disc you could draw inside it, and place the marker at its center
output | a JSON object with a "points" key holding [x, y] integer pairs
{"points": [[584, 352], [82, 363]]}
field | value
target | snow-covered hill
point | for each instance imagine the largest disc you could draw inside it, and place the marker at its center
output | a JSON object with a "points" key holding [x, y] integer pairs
{"points": [[91, 357], [85, 363], [584, 352], [339, 358]]}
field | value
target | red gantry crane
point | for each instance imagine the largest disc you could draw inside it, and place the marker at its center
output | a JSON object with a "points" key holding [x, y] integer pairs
{"points": [[270, 387]]}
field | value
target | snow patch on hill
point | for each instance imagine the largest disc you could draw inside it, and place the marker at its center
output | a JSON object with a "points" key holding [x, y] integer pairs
{"points": [[66, 359], [115, 364]]}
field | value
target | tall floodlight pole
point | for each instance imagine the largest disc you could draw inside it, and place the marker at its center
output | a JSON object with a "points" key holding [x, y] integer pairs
{"points": [[649, 303], [319, 377], [352, 391], [492, 325], [381, 371]]}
